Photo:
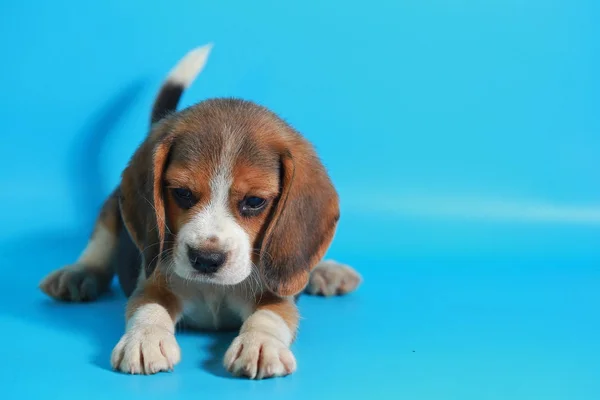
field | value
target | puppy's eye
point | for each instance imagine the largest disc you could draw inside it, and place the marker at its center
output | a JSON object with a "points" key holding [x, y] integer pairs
{"points": [[252, 206], [184, 197]]}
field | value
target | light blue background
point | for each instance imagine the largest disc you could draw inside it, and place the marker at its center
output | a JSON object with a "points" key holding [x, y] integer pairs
{"points": [[464, 138]]}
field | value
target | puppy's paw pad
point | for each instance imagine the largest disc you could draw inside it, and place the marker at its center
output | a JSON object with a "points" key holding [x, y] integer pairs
{"points": [[258, 355], [331, 278], [74, 283], [146, 350]]}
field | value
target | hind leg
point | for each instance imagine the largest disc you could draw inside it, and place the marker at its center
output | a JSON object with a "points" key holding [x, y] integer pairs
{"points": [[92, 273], [331, 278]]}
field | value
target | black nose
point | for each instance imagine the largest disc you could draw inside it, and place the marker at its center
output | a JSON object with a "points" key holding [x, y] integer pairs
{"points": [[205, 261]]}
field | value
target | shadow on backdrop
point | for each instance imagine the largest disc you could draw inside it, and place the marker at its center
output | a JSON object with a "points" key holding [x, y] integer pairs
{"points": [[102, 321], [84, 162]]}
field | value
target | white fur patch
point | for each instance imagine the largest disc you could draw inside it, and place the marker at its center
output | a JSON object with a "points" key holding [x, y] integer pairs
{"points": [[99, 249], [188, 68], [268, 322], [151, 314]]}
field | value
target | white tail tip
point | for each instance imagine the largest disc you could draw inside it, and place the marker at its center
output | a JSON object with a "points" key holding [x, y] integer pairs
{"points": [[188, 68]]}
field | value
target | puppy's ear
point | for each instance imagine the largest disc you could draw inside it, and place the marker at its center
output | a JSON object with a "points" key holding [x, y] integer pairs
{"points": [[302, 223], [142, 200]]}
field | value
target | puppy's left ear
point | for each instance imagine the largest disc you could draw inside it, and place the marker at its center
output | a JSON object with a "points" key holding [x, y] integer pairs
{"points": [[302, 223], [141, 199]]}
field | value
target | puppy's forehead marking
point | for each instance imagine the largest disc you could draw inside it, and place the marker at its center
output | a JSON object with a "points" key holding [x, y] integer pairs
{"points": [[222, 130], [222, 170], [232, 142], [219, 187]]}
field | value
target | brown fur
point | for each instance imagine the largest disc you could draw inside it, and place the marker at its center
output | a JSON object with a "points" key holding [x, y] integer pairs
{"points": [[309, 204], [141, 201], [109, 214], [284, 307], [155, 290], [196, 182]]}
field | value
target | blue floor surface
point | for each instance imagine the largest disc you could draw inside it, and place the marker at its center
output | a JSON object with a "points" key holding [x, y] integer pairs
{"points": [[457, 327]]}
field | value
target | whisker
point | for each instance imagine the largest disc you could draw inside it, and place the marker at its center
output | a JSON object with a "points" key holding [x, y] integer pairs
{"points": [[158, 243], [262, 253], [156, 213], [256, 276]]}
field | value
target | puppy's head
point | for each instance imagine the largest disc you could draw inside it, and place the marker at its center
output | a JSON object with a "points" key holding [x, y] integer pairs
{"points": [[224, 187]]}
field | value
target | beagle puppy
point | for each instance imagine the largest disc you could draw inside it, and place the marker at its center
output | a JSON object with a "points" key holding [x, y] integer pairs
{"points": [[220, 221]]}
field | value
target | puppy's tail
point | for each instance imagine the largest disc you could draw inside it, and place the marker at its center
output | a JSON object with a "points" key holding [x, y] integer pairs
{"points": [[179, 78]]}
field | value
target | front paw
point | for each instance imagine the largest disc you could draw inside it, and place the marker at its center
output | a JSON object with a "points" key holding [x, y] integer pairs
{"points": [[146, 350], [258, 355]]}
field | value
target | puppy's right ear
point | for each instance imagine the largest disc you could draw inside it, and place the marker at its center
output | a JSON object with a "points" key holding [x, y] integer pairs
{"points": [[141, 200]]}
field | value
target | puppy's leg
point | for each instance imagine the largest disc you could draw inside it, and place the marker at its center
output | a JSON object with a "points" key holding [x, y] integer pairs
{"points": [[262, 348], [148, 345], [330, 278], [92, 273]]}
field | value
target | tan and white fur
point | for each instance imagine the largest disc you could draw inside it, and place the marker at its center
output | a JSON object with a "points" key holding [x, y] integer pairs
{"points": [[220, 221]]}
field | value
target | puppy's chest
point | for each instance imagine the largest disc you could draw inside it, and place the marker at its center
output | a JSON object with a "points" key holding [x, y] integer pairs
{"points": [[212, 311]]}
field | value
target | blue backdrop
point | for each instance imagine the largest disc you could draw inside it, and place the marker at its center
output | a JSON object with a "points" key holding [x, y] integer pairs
{"points": [[463, 136]]}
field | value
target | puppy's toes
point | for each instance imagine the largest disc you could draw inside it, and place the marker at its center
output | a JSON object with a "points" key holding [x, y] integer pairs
{"points": [[257, 355], [146, 350], [331, 278], [76, 283]]}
